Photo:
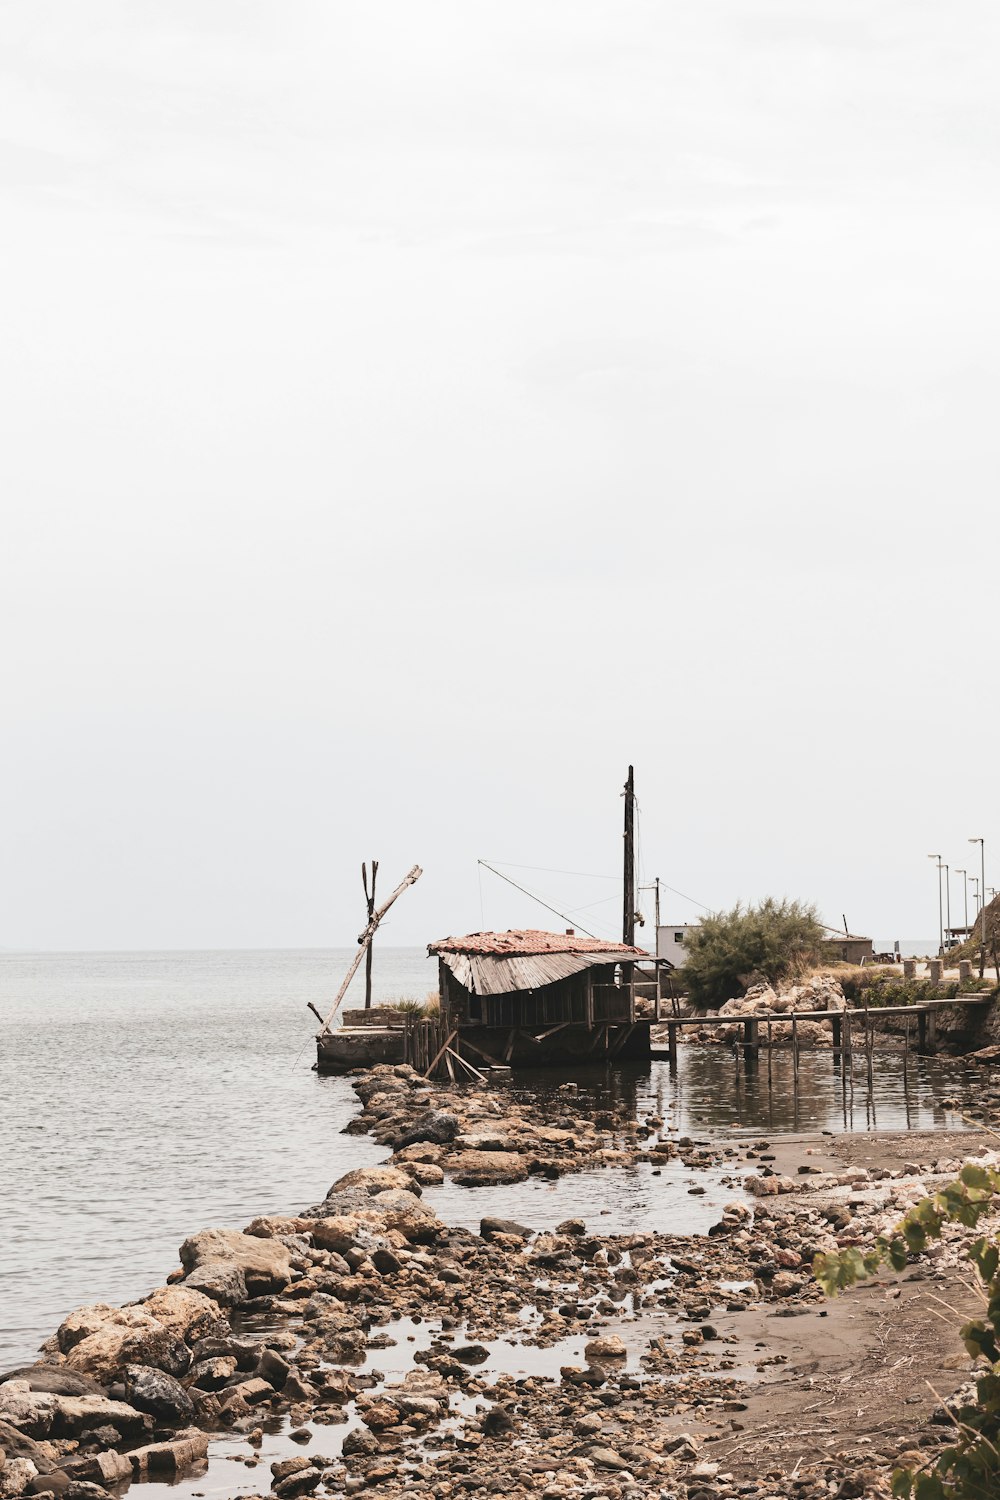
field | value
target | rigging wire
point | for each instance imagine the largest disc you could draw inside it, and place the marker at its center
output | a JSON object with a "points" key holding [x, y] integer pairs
{"points": [[548, 870], [524, 891]]}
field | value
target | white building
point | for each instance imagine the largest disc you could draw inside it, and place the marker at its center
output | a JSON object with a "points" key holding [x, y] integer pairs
{"points": [[671, 940]]}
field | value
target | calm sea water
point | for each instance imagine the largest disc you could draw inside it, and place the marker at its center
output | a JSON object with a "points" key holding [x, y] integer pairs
{"points": [[144, 1096]]}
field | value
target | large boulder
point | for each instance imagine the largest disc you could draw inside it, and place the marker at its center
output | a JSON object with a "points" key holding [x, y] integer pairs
{"points": [[404, 1212], [220, 1281], [484, 1168], [55, 1379], [434, 1125], [374, 1180], [100, 1340], [158, 1394], [41, 1415], [266, 1263], [187, 1312], [17, 1444], [342, 1232], [343, 1218]]}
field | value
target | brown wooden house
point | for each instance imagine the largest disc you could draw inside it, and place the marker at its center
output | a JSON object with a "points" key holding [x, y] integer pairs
{"points": [[532, 997]]}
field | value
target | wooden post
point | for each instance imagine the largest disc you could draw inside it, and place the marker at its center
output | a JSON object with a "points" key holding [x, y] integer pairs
{"points": [[795, 1046], [751, 1037], [370, 899], [364, 940], [628, 900], [922, 1031], [836, 1027], [672, 1043]]}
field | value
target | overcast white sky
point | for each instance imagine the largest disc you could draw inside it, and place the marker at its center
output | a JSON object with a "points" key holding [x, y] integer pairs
{"points": [[412, 413]]}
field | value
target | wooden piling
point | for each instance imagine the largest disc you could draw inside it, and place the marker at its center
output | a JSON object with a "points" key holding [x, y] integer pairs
{"points": [[795, 1046]]}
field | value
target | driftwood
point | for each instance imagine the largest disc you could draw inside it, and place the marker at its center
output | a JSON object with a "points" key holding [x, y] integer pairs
{"points": [[364, 940]]}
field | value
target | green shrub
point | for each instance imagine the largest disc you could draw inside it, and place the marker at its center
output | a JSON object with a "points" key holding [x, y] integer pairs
{"points": [[970, 1468], [774, 940]]}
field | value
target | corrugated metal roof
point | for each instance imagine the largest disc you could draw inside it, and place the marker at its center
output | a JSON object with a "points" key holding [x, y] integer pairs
{"points": [[499, 963], [528, 941], [483, 974]]}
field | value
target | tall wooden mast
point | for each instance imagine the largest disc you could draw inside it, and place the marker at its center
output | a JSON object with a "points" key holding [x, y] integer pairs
{"points": [[628, 902]]}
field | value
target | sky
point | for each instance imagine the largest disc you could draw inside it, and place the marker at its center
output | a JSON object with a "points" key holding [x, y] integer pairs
{"points": [[414, 414]]}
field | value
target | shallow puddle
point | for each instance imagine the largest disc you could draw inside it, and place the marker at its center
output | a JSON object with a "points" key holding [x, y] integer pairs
{"points": [[612, 1200]]}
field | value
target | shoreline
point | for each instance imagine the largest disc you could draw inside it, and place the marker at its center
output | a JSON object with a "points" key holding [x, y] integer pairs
{"points": [[570, 1363]]}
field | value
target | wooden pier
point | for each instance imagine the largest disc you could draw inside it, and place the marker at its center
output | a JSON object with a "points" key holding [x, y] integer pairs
{"points": [[845, 1024]]}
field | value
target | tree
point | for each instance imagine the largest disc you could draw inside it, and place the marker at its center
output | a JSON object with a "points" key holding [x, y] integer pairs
{"points": [[773, 939]]}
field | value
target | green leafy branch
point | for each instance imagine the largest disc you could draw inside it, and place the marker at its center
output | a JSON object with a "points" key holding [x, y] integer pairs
{"points": [[970, 1468]]}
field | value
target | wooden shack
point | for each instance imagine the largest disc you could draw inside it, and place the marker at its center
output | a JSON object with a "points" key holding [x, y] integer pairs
{"points": [[526, 997]]}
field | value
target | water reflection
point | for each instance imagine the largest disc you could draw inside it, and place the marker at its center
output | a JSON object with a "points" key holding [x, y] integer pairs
{"points": [[715, 1088]]}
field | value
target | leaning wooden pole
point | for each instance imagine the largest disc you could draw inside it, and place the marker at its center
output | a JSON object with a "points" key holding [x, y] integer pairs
{"points": [[363, 942], [370, 899]]}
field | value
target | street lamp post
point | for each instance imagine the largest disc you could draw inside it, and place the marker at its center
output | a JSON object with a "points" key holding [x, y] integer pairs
{"points": [[982, 908], [947, 901], [965, 896], [940, 867]]}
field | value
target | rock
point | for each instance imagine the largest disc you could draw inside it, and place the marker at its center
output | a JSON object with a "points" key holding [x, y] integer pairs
{"points": [[159, 1394], [490, 1227], [436, 1126], [212, 1374], [360, 1441], [15, 1476], [486, 1168], [185, 1311], [40, 1414], [575, 1375], [424, 1172], [784, 1284], [276, 1227], [765, 1187], [343, 1232], [386, 1262], [221, 1282], [588, 1424], [55, 1379], [572, 1226], [497, 1419], [380, 1415], [606, 1458], [374, 1180], [266, 1264], [17, 1444], [471, 1354], [169, 1458], [250, 1391], [301, 1483], [404, 1212], [273, 1368], [609, 1347], [99, 1341], [282, 1467], [102, 1468], [85, 1489], [297, 1389]]}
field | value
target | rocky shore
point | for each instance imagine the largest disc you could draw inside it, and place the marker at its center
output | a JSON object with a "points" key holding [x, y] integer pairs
{"points": [[366, 1344]]}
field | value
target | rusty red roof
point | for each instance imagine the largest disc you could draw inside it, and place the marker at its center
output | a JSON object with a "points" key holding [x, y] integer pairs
{"points": [[526, 941]]}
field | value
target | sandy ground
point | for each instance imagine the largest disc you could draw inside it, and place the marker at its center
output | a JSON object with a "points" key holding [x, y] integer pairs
{"points": [[861, 1373]]}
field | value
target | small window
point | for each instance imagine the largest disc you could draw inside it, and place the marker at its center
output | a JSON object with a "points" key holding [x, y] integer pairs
{"points": [[678, 937]]}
